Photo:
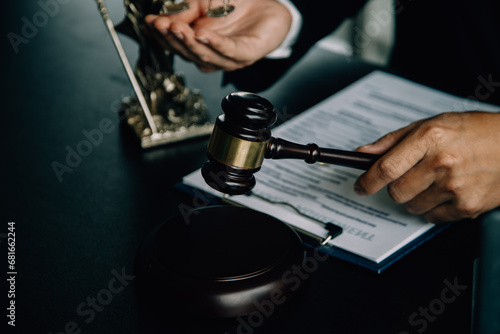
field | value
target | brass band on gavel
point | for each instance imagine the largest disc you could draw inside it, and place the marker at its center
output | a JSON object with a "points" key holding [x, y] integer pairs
{"points": [[234, 151]]}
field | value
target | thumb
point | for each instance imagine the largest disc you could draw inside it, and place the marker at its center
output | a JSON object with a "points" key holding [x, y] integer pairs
{"points": [[384, 144]]}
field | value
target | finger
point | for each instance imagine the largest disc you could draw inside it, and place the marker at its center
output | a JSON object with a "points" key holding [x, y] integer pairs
{"points": [[442, 214], [459, 207], [407, 151], [428, 200], [228, 47], [412, 184], [440, 203], [158, 22], [199, 50], [179, 36], [177, 42], [384, 143], [425, 180]]}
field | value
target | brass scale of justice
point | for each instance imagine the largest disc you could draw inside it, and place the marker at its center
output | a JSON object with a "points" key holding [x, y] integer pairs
{"points": [[164, 110], [216, 261]]}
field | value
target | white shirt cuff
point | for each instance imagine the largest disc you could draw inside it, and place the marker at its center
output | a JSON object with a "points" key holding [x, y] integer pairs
{"points": [[285, 49]]}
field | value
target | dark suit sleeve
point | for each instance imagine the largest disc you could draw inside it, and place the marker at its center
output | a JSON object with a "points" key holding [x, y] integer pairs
{"points": [[319, 18]]}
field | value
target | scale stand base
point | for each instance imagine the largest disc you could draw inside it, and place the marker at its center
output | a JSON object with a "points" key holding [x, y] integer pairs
{"points": [[178, 121]]}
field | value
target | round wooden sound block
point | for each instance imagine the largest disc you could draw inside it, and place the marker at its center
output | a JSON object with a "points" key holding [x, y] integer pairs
{"points": [[218, 262]]}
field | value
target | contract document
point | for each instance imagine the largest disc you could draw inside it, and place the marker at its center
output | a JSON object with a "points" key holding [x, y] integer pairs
{"points": [[306, 196]]}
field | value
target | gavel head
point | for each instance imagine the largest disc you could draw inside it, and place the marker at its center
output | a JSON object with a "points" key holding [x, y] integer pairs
{"points": [[238, 143]]}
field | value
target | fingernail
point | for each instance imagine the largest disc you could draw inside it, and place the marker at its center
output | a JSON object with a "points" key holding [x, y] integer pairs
{"points": [[359, 191], [150, 19], [178, 34], [202, 39], [163, 31], [366, 146]]}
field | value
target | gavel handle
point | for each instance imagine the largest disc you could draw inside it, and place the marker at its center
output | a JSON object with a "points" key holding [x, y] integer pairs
{"points": [[278, 148]]}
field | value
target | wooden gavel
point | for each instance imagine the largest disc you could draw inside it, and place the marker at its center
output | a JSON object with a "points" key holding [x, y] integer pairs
{"points": [[241, 140]]}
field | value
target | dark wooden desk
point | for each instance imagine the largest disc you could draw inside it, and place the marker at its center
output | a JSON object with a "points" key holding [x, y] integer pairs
{"points": [[76, 236]]}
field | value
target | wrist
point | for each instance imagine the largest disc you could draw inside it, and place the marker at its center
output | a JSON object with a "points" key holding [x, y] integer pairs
{"points": [[285, 48]]}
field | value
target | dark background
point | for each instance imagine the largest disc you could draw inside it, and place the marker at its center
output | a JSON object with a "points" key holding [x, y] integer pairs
{"points": [[71, 236]]}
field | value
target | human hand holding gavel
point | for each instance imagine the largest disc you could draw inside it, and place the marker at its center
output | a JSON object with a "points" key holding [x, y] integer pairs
{"points": [[241, 140]]}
